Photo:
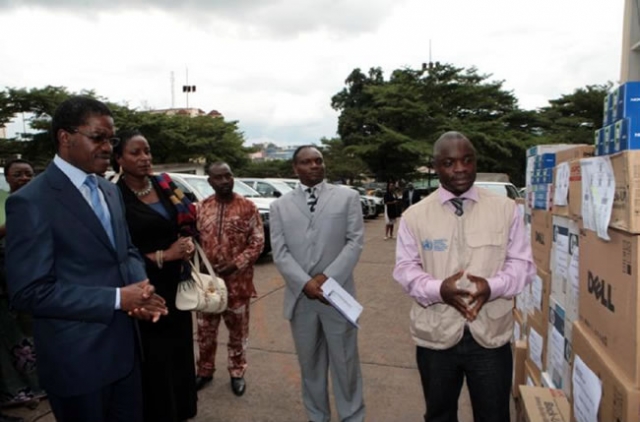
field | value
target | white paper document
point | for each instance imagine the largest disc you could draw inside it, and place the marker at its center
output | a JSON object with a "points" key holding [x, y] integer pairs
{"points": [[346, 304], [561, 240], [561, 191], [587, 392], [598, 189], [535, 348], [536, 291]]}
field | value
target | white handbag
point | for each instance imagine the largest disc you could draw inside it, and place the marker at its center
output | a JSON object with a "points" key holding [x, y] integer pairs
{"points": [[204, 292]]}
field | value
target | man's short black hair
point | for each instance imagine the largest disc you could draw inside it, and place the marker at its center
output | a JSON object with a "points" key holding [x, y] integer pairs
{"points": [[73, 112], [300, 148], [10, 163], [207, 167]]}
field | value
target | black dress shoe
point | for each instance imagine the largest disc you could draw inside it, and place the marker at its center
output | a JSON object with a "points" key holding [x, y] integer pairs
{"points": [[238, 386], [202, 381]]}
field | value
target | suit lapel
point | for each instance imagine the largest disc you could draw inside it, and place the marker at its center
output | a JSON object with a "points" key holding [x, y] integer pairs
{"points": [[324, 198], [71, 199], [300, 199]]}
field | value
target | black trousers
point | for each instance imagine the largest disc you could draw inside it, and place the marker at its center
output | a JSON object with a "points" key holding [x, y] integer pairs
{"points": [[117, 402], [488, 373]]}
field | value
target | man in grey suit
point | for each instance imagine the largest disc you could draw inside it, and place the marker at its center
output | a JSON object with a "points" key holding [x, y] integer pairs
{"points": [[317, 232]]}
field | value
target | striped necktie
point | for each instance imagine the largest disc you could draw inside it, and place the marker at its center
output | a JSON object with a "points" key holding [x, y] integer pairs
{"points": [[312, 200], [457, 203]]}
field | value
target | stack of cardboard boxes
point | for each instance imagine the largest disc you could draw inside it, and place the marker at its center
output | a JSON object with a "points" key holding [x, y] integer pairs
{"points": [[621, 127], [579, 322], [546, 310]]}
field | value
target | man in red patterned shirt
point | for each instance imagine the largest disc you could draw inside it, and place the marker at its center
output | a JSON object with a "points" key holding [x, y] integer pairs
{"points": [[232, 237]]}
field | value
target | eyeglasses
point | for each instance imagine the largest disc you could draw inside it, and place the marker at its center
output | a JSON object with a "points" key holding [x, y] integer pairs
{"points": [[98, 139]]}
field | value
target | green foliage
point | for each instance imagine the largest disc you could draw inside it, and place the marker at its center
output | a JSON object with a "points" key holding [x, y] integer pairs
{"points": [[573, 118], [341, 164], [274, 168], [393, 124], [172, 139]]}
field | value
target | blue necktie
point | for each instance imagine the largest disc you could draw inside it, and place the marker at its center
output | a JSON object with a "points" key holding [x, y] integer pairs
{"points": [[92, 183]]}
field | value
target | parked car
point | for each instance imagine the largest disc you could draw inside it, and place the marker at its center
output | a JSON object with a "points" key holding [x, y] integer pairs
{"points": [[377, 201], [271, 188], [198, 188], [293, 183], [368, 205], [502, 188]]}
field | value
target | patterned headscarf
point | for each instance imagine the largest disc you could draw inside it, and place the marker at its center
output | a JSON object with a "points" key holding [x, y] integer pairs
{"points": [[186, 209]]}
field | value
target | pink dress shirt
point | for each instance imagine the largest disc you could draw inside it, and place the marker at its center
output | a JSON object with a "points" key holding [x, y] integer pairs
{"points": [[517, 271]]}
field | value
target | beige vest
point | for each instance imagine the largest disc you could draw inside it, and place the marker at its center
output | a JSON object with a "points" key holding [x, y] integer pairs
{"points": [[476, 243]]}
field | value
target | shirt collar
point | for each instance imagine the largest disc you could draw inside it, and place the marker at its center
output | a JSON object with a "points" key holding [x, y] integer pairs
{"points": [[319, 187], [74, 174], [444, 195]]}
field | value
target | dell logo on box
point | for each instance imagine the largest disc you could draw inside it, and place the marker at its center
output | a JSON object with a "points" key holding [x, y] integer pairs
{"points": [[601, 290]]}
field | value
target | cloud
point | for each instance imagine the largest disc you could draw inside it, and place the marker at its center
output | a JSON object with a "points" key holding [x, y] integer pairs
{"points": [[261, 18], [273, 65]]}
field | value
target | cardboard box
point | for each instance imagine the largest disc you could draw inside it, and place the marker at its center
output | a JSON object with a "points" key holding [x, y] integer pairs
{"points": [[609, 296], [537, 347], [627, 135], [575, 190], [607, 108], [531, 375], [540, 404], [540, 291], [568, 156], [541, 238], [575, 152], [625, 214], [542, 149], [519, 357], [519, 327], [620, 400], [626, 100]]}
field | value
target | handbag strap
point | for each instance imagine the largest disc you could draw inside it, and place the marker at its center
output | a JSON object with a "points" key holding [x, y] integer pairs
{"points": [[201, 255]]}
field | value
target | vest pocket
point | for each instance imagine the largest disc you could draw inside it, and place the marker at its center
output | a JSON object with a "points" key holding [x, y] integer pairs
{"points": [[485, 239]]}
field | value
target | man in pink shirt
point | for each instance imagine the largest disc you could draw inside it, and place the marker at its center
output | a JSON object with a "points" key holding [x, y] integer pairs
{"points": [[462, 255]]}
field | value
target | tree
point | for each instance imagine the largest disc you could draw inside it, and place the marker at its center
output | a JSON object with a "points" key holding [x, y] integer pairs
{"points": [[573, 118], [340, 164], [172, 138], [393, 124], [273, 168]]}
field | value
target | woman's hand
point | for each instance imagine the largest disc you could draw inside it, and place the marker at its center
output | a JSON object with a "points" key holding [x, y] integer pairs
{"points": [[182, 248]]}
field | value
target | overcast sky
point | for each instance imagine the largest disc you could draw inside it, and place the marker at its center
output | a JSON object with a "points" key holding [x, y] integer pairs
{"points": [[273, 65]]}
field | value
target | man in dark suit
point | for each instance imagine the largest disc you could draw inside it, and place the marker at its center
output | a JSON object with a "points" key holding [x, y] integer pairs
{"points": [[71, 263], [317, 232], [410, 196]]}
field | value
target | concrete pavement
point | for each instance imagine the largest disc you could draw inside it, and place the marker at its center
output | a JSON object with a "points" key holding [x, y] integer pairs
{"points": [[391, 381]]}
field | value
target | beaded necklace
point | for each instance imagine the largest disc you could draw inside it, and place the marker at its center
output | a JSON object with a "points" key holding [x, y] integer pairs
{"points": [[146, 191]]}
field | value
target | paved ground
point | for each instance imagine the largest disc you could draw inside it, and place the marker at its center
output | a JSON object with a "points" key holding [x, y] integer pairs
{"points": [[391, 381]]}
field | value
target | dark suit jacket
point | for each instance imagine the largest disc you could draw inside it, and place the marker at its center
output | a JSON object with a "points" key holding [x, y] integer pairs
{"points": [[62, 268], [405, 198]]}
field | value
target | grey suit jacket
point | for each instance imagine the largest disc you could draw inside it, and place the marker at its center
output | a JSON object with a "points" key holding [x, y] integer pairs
{"points": [[329, 241]]}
